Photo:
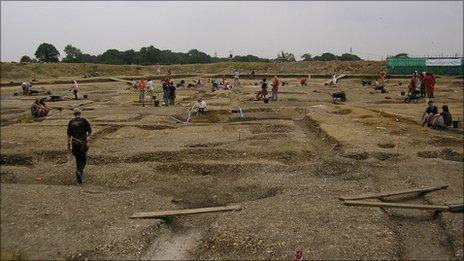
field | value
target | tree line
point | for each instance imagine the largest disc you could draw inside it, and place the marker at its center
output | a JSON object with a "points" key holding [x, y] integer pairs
{"points": [[151, 55]]}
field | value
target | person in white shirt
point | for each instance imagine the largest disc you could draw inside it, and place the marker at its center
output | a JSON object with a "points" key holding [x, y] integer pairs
{"points": [[75, 89], [151, 89], [334, 79], [26, 86], [200, 105], [236, 78]]}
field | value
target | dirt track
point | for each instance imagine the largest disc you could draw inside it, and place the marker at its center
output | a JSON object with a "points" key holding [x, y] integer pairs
{"points": [[286, 162]]}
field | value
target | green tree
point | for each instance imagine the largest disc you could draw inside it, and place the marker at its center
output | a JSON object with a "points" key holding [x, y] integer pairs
{"points": [[195, 56], [128, 56], [72, 54], [326, 57], [307, 57], [112, 56], [349, 57], [402, 55], [249, 58], [47, 53], [25, 59]]}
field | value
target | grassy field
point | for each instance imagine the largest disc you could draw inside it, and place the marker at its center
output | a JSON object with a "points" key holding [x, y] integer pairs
{"points": [[22, 72]]}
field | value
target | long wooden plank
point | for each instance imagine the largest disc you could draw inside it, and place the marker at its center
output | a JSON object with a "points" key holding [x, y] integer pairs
{"points": [[338, 78], [385, 194], [395, 205], [169, 213]]}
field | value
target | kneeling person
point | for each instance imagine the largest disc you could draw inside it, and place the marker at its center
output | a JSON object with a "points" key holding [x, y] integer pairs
{"points": [[200, 105], [78, 131]]}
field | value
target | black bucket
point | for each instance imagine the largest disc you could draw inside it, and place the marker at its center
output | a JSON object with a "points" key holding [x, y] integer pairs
{"points": [[455, 124], [85, 96], [266, 100], [156, 103], [403, 93]]}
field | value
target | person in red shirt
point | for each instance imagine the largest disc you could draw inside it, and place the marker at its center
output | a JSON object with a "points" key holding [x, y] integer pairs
{"points": [[142, 86], [422, 76], [429, 83], [275, 88]]}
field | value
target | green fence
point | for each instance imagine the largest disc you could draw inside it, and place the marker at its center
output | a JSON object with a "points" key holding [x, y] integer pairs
{"points": [[407, 66]]}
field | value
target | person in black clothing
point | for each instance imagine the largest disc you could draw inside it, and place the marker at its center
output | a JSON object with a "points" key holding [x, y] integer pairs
{"points": [[172, 93], [263, 92], [252, 74], [78, 131]]}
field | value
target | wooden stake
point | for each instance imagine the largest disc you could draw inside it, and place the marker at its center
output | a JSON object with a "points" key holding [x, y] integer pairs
{"points": [[169, 213], [385, 194]]}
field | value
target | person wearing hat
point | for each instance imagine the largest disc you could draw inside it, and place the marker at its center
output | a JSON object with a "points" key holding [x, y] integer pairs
{"points": [[78, 131]]}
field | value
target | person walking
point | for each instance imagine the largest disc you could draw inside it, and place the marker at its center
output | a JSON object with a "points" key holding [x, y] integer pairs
{"points": [[275, 88], [78, 131], [75, 89], [236, 78]]}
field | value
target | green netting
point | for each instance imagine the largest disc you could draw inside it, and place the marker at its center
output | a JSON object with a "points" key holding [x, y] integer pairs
{"points": [[410, 62], [407, 66]]}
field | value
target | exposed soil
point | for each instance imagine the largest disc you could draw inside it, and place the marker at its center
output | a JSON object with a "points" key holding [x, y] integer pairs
{"points": [[285, 162]]}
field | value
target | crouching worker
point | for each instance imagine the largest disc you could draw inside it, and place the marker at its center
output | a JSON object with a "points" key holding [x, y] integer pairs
{"points": [[78, 131], [442, 120], [263, 92], [200, 106], [39, 108]]}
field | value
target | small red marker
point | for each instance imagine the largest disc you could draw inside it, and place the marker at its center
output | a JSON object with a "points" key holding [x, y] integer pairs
{"points": [[298, 254]]}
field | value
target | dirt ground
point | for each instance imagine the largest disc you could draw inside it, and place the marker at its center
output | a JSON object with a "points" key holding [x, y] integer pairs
{"points": [[285, 162]]}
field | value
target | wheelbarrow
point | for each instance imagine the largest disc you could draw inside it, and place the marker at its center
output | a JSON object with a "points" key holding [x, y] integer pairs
{"points": [[338, 96], [414, 97]]}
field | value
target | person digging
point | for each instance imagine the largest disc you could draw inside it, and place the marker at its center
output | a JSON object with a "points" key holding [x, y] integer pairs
{"points": [[78, 131]]}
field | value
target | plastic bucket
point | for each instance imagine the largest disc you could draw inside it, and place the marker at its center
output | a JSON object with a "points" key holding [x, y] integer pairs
{"points": [[403, 93], [156, 103], [455, 124], [266, 100]]}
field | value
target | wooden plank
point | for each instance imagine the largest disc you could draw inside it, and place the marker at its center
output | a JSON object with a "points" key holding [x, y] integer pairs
{"points": [[456, 206], [385, 194], [169, 213], [395, 205], [338, 77]]}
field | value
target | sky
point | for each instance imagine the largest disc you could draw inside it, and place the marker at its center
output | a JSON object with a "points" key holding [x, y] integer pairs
{"points": [[372, 29]]}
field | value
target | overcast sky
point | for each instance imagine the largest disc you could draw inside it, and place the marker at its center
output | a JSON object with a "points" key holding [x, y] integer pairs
{"points": [[372, 29]]}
